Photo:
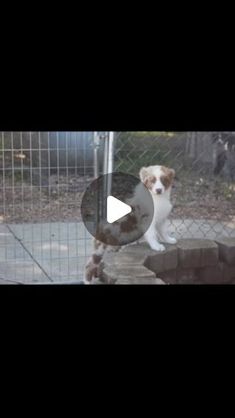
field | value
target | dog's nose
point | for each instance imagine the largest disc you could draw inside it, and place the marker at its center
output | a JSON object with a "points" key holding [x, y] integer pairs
{"points": [[159, 191]]}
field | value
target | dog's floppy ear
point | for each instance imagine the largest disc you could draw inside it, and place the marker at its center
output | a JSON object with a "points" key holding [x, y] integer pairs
{"points": [[169, 172], [172, 173], [143, 174]]}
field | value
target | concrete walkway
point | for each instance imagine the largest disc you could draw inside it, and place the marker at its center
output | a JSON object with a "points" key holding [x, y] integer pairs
{"points": [[57, 252], [43, 253]]}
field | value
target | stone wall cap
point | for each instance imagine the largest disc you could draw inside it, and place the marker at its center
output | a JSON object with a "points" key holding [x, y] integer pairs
{"points": [[199, 243]]}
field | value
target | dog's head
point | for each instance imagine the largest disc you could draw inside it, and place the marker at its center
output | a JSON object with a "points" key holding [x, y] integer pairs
{"points": [[157, 178]]}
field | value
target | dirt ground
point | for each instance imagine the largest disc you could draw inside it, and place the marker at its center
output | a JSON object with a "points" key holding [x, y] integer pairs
{"points": [[192, 197], [203, 198]]}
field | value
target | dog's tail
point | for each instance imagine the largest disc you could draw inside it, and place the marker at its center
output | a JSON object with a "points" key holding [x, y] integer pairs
{"points": [[93, 264]]}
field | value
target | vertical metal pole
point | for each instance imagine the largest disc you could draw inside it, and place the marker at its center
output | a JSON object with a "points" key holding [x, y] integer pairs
{"points": [[105, 171], [107, 168], [110, 152], [110, 162], [105, 159], [96, 175], [96, 154]]}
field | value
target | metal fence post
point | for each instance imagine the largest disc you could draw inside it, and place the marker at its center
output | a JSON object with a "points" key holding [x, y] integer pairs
{"points": [[108, 138], [96, 154], [110, 161]]}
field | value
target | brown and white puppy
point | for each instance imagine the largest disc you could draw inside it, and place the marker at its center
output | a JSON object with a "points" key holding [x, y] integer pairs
{"points": [[158, 179]]}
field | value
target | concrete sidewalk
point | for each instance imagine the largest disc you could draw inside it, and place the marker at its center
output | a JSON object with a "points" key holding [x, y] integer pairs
{"points": [[57, 252], [44, 253]]}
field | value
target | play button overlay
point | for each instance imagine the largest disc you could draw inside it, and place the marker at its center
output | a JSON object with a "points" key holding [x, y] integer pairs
{"points": [[117, 209]]}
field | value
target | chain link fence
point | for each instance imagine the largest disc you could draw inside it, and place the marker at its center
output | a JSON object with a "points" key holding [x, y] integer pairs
{"points": [[203, 194]]}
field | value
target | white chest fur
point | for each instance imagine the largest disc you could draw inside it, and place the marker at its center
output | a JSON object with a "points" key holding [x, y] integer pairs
{"points": [[162, 208]]}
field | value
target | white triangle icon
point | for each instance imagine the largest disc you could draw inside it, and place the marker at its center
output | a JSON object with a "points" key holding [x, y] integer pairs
{"points": [[116, 209]]}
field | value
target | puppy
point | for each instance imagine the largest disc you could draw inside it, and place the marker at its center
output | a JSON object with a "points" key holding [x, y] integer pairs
{"points": [[158, 179]]}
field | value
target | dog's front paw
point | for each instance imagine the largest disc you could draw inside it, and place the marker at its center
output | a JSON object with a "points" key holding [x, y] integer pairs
{"points": [[157, 247], [171, 240]]}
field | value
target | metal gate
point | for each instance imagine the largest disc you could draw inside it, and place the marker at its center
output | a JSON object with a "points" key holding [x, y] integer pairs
{"points": [[43, 176]]}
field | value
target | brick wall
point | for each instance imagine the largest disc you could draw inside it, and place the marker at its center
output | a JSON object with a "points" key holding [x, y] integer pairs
{"points": [[191, 261]]}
